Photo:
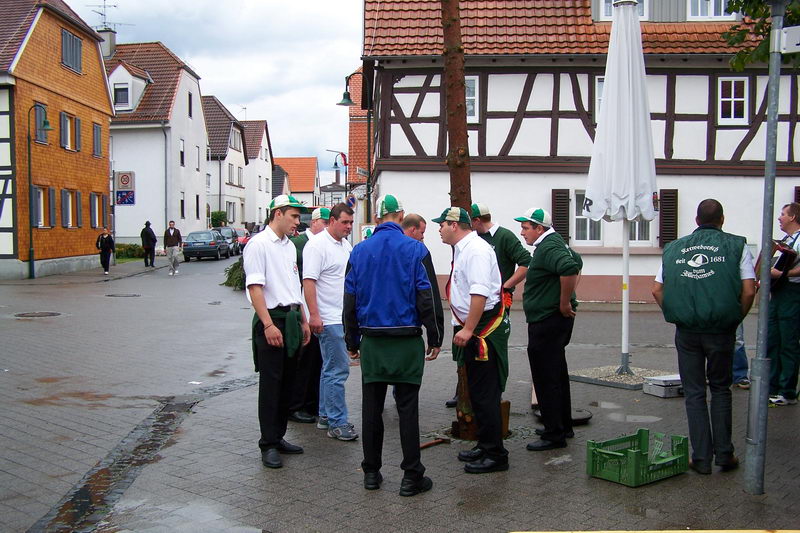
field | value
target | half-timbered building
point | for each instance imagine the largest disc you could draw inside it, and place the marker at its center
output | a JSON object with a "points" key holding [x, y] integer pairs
{"points": [[534, 84]]}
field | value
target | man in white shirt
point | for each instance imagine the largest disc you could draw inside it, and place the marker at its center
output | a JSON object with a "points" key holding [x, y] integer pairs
{"points": [[481, 330], [279, 325], [324, 263]]}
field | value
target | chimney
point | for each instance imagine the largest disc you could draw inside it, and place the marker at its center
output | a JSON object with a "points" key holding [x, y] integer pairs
{"points": [[109, 44], [337, 177]]}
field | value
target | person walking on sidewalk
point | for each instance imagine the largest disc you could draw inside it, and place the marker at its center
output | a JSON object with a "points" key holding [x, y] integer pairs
{"points": [[105, 243], [705, 287], [480, 340], [388, 297], [550, 306], [149, 241], [304, 405], [324, 263], [783, 337], [279, 324], [172, 244]]}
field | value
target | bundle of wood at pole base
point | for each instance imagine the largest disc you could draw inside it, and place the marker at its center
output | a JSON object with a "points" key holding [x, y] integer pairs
{"points": [[465, 426]]}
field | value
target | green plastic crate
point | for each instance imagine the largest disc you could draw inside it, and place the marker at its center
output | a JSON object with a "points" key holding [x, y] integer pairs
{"points": [[632, 461]]}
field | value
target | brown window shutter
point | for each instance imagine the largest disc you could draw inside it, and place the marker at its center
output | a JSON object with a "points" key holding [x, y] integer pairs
{"points": [[797, 195], [561, 212], [668, 216]]}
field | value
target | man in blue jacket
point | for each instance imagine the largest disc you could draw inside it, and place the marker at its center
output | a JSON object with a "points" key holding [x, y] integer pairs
{"points": [[388, 296]]}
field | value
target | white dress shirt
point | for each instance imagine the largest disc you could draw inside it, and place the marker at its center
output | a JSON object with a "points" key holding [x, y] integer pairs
{"points": [[475, 271], [325, 261], [272, 263]]}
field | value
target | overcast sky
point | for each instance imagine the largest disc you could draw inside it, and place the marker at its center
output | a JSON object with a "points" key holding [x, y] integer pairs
{"points": [[285, 61]]}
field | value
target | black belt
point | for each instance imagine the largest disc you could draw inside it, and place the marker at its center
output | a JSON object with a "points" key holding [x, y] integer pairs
{"points": [[286, 308]]}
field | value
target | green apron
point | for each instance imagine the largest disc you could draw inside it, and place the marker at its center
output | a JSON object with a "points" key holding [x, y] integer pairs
{"points": [[292, 332]]}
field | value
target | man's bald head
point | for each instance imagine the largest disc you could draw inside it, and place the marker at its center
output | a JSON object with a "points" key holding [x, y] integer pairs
{"points": [[414, 226], [709, 212]]}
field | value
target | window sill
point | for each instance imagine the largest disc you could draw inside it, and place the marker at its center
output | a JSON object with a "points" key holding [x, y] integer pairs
{"points": [[608, 250], [78, 72]]}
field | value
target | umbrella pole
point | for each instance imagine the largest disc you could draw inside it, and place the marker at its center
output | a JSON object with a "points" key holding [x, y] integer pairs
{"points": [[624, 367]]}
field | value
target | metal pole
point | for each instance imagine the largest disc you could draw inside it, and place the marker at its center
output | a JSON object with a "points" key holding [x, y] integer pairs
{"points": [[369, 158], [759, 370], [31, 266], [624, 367]]}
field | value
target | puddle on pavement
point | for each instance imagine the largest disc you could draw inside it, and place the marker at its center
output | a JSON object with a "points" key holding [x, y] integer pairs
{"points": [[51, 379], [639, 419]]}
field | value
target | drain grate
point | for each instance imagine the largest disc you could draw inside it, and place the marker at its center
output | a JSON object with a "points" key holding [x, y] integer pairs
{"points": [[37, 314], [123, 295]]}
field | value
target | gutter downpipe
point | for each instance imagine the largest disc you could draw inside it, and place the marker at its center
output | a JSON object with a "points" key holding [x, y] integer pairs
{"points": [[166, 177], [219, 196]]}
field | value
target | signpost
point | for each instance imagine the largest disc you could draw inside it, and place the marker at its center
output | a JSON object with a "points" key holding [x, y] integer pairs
{"points": [[790, 43]]}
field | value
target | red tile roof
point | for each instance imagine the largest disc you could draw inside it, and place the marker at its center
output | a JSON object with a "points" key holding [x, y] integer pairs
{"points": [[507, 27], [302, 172], [219, 122], [163, 67], [136, 71], [17, 17], [253, 132]]}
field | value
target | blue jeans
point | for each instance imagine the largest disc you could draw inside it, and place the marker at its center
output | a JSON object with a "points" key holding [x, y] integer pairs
{"points": [[740, 365], [335, 370]]}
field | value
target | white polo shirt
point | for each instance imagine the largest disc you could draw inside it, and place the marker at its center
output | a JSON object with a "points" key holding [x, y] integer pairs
{"points": [[272, 262], [475, 271], [325, 261]]}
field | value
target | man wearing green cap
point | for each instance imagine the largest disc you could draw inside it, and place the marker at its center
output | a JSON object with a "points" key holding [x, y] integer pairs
{"points": [[279, 325], [481, 328], [389, 295], [305, 398], [549, 303]]}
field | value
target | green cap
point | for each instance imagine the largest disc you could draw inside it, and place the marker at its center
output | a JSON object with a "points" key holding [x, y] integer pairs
{"points": [[285, 200], [454, 214], [537, 216], [321, 212], [388, 204], [479, 210]]}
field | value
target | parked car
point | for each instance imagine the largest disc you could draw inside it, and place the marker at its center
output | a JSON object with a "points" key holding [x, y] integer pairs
{"points": [[231, 238], [243, 237], [209, 243]]}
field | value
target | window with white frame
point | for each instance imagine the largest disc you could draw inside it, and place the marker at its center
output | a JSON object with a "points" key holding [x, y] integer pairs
{"points": [[587, 231], [732, 104], [197, 206], [236, 140], [241, 210], [70, 134], [71, 50], [230, 211], [708, 9], [599, 82], [607, 9], [639, 231], [208, 182], [259, 183], [240, 176], [197, 166], [230, 173], [182, 147], [40, 207], [121, 95], [260, 220], [183, 205], [471, 91]]}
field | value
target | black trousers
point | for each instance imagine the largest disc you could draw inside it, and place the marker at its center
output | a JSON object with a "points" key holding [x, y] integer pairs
{"points": [[485, 395], [407, 399], [547, 340], [105, 259], [305, 393], [149, 256], [276, 377]]}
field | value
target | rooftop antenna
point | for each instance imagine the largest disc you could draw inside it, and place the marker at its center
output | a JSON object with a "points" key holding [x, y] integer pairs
{"points": [[243, 108], [106, 24]]}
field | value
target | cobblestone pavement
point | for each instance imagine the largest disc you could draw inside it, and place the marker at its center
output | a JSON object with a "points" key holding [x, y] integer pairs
{"points": [[137, 414]]}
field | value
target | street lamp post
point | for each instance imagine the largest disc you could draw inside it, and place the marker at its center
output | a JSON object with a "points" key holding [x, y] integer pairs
{"points": [[31, 215], [348, 102]]}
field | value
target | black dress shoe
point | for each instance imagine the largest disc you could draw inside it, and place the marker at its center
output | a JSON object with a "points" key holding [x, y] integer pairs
{"points": [[372, 480], [543, 444], [468, 456], [451, 403], [569, 434], [409, 487], [271, 458], [486, 464], [701, 467], [302, 417], [730, 464], [286, 447]]}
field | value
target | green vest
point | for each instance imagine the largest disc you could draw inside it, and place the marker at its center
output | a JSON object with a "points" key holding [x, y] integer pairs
{"points": [[300, 242], [702, 283]]}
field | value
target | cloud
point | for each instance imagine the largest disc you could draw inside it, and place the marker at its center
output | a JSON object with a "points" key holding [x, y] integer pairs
{"points": [[284, 61]]}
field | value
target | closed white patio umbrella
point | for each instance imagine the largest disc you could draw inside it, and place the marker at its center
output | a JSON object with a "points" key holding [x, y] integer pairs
{"points": [[622, 176]]}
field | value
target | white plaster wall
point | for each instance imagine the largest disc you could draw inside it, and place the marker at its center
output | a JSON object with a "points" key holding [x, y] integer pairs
{"points": [[689, 140], [566, 100], [414, 81], [691, 94], [430, 105], [255, 198], [542, 94], [407, 102], [533, 138], [573, 139], [504, 92], [400, 144], [496, 134], [658, 128], [784, 93], [428, 135], [657, 93]]}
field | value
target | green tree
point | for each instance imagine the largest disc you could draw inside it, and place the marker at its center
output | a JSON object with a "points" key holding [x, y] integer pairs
{"points": [[218, 218], [752, 33]]}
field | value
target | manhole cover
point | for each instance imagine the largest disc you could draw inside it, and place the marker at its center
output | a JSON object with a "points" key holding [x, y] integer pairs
{"points": [[216, 302], [37, 314], [123, 295]]}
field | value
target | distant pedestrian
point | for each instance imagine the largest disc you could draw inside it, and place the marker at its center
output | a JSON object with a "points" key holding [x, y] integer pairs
{"points": [[705, 287], [279, 324], [149, 241], [105, 243], [388, 298], [304, 406], [324, 263], [172, 245]]}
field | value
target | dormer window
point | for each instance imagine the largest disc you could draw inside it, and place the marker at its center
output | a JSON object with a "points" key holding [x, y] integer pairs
{"points": [[122, 96], [607, 9], [71, 48], [708, 10], [236, 140]]}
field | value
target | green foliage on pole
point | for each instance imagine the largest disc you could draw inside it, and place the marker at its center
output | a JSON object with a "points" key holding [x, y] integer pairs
{"points": [[753, 31], [218, 218]]}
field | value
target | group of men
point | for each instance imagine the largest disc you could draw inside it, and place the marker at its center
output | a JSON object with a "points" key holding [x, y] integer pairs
{"points": [[372, 301]]}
